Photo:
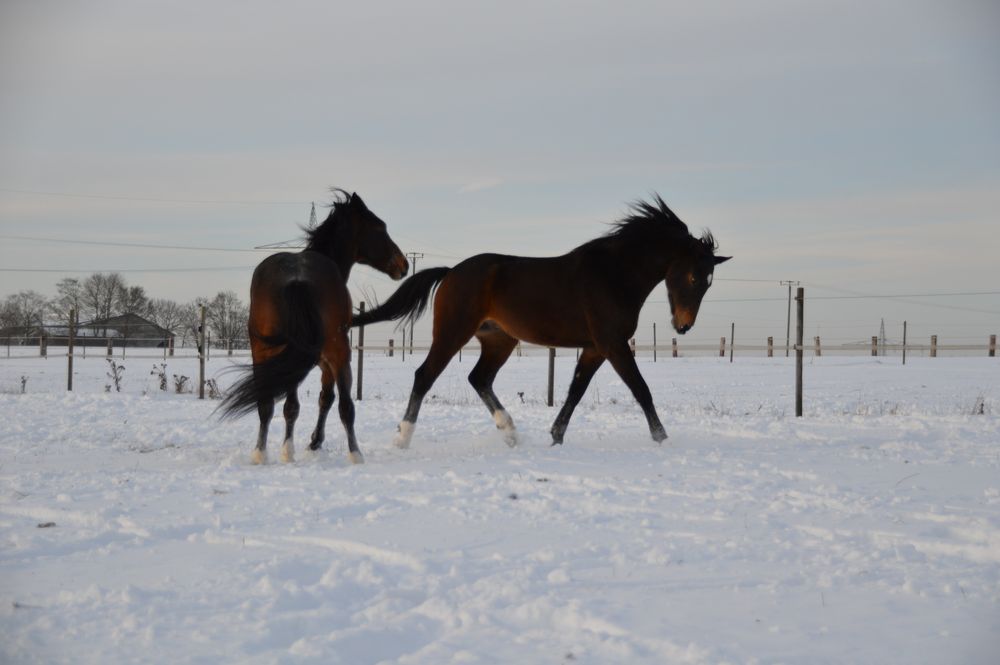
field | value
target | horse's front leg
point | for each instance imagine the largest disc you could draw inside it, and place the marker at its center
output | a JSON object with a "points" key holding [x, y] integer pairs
{"points": [[621, 359]]}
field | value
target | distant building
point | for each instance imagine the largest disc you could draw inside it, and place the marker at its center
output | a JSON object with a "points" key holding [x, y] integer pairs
{"points": [[124, 330]]}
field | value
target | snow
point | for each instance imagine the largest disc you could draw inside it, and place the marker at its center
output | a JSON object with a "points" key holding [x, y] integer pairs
{"points": [[866, 531]]}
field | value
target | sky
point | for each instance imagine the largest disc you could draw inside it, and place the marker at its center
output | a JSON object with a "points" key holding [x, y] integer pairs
{"points": [[853, 147]]}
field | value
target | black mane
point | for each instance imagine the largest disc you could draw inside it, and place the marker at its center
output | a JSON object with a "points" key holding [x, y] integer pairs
{"points": [[322, 236], [647, 221]]}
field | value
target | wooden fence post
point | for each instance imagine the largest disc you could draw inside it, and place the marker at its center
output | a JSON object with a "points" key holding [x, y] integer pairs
{"points": [[201, 353], [229, 346], [993, 346], [43, 345], [361, 352], [770, 346], [819, 349], [722, 347], [800, 300], [933, 346], [673, 347], [69, 351], [874, 346], [552, 375], [109, 347], [392, 345], [170, 346]]}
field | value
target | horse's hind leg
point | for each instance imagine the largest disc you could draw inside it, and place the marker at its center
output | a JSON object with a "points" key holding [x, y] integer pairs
{"points": [[588, 364], [496, 349], [346, 408], [326, 397], [265, 410], [291, 414]]}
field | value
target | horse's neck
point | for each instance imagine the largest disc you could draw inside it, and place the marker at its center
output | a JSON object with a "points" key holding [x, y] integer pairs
{"points": [[646, 264], [341, 250]]}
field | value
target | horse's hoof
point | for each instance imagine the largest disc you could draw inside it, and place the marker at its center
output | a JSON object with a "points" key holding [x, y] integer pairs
{"points": [[510, 438], [660, 437], [288, 452], [555, 443], [356, 457], [402, 440], [258, 456]]}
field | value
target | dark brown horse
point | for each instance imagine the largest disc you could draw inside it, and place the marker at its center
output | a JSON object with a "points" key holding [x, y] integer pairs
{"points": [[300, 311], [589, 298]]}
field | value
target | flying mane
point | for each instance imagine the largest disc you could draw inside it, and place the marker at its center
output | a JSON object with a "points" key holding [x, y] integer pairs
{"points": [[647, 221], [322, 236]]}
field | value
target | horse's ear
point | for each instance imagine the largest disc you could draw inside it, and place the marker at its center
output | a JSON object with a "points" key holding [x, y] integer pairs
{"points": [[356, 200], [721, 259]]}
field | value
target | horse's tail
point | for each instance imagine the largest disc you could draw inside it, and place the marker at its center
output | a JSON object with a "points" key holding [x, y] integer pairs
{"points": [[301, 333], [408, 302]]}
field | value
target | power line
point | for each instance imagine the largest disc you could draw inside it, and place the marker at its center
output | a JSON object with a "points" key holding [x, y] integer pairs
{"points": [[106, 270], [144, 199], [103, 243]]}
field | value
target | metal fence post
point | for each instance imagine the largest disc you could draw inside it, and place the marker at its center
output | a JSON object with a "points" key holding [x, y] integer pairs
{"points": [[201, 354], [800, 300], [69, 351], [552, 375], [361, 353]]}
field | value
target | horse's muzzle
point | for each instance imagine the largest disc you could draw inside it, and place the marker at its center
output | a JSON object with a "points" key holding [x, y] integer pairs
{"points": [[399, 268], [682, 320]]}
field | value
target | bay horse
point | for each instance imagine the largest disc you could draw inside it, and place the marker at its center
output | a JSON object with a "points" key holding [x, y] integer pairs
{"points": [[588, 298], [300, 312]]}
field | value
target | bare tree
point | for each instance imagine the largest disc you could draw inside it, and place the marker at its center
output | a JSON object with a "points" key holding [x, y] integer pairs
{"points": [[99, 293], [132, 300], [226, 316], [69, 295], [24, 310], [167, 314], [191, 319]]}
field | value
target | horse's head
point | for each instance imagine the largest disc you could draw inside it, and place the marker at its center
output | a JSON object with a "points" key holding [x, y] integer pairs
{"points": [[688, 278], [372, 244]]}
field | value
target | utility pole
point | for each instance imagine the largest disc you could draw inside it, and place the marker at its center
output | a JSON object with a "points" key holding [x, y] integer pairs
{"points": [[788, 324], [413, 256]]}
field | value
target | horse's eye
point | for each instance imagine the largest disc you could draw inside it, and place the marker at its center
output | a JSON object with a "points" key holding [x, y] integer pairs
{"points": [[692, 279]]}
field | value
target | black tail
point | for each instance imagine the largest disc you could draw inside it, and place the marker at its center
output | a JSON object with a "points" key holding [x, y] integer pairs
{"points": [[302, 335], [408, 302]]}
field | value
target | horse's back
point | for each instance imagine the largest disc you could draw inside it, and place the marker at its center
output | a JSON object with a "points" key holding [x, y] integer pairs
{"points": [[310, 272]]}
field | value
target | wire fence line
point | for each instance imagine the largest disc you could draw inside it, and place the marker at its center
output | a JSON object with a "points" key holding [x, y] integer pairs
{"points": [[20, 347]]}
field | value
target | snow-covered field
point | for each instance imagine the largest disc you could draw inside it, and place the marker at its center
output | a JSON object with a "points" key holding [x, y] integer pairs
{"points": [[134, 529]]}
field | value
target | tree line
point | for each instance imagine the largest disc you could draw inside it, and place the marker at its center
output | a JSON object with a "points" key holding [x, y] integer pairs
{"points": [[102, 296]]}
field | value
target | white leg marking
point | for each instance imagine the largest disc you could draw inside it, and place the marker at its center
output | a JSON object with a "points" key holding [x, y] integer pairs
{"points": [[405, 434], [288, 451], [259, 456], [506, 425], [356, 458]]}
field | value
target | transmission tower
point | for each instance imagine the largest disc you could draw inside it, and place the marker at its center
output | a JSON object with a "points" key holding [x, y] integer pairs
{"points": [[312, 217]]}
